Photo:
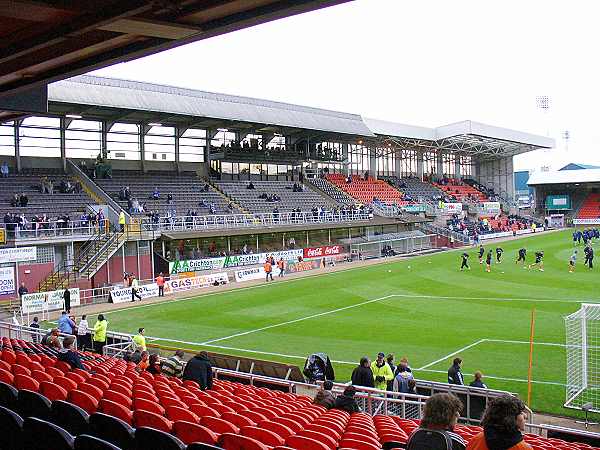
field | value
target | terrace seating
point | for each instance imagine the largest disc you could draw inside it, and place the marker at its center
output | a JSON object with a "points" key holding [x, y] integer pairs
{"points": [[333, 191], [364, 191], [590, 209], [54, 205], [231, 416], [249, 198], [187, 190], [461, 191]]}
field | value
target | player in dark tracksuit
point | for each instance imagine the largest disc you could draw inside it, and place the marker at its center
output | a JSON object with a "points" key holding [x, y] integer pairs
{"points": [[488, 261], [465, 262], [539, 261], [481, 252], [522, 254], [499, 251], [589, 257]]}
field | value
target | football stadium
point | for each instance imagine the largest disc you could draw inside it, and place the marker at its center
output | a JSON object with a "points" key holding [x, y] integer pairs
{"points": [[186, 269]]}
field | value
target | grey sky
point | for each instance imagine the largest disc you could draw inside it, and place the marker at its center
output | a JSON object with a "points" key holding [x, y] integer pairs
{"points": [[427, 62]]}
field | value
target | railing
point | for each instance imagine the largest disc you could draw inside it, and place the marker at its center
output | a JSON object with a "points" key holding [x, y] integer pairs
{"points": [[458, 237], [55, 229], [188, 223], [35, 335], [96, 250]]}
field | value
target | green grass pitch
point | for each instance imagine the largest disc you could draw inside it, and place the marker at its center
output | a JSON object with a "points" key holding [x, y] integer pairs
{"points": [[423, 308]]}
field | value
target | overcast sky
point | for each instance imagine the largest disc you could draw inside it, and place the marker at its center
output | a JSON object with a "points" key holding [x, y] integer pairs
{"points": [[426, 62]]}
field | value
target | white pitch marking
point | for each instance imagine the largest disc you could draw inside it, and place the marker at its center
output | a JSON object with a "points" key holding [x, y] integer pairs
{"points": [[450, 355], [289, 322]]}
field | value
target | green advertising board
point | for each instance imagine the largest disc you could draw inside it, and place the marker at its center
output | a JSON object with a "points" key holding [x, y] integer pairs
{"points": [[557, 202]]}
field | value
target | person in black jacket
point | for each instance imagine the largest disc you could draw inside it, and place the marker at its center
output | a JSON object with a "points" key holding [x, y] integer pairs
{"points": [[67, 299], [455, 376], [363, 375], [199, 369], [346, 401]]}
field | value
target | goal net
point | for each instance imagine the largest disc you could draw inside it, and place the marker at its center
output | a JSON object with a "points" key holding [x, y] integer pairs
{"points": [[583, 357]]}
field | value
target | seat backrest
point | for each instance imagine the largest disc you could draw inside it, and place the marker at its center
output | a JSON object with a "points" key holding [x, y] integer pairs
{"points": [[424, 439], [200, 446], [70, 417], [8, 396], [190, 432], [41, 435], [87, 442], [112, 429], [32, 404], [116, 410], [12, 427], [152, 438], [230, 441]]}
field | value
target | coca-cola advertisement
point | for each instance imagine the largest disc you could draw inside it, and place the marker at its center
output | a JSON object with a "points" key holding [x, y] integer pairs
{"points": [[319, 252]]}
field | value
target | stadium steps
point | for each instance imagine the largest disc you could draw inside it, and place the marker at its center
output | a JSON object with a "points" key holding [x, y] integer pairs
{"points": [[323, 193], [226, 197]]}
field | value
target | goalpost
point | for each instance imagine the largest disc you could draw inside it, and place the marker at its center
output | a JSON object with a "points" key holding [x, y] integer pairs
{"points": [[583, 358]]}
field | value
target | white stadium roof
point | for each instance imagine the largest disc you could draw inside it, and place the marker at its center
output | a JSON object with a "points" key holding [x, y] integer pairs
{"points": [[565, 177]]}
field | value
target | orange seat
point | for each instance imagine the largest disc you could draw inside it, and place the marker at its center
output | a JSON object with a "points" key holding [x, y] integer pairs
{"points": [[237, 419], [175, 413], [65, 383], [6, 377], [358, 445], [26, 382], [219, 426], [91, 389], [305, 443], [277, 428], [148, 405], [19, 369], [190, 432], [117, 397], [201, 410], [54, 372]]}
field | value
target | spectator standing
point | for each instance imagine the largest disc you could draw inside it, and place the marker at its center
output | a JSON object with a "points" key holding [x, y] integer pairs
{"points": [[199, 369], [65, 324], [4, 170], [346, 401], [83, 335], [139, 340], [35, 337], [281, 267], [381, 372], [66, 354], [390, 362], [100, 328], [67, 300], [436, 431], [160, 282], [478, 381], [135, 289], [173, 366], [503, 425], [324, 396], [455, 376], [22, 291], [362, 375], [122, 221]]}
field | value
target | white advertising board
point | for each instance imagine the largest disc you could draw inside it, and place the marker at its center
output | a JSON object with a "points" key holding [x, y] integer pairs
{"points": [[11, 255]]}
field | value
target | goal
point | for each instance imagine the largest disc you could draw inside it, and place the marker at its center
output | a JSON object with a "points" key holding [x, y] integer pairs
{"points": [[583, 358]]}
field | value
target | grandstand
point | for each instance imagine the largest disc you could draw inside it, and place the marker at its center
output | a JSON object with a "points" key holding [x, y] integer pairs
{"points": [[368, 190]]}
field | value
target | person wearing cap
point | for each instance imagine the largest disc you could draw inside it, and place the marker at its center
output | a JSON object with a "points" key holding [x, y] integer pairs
{"points": [[382, 373]]}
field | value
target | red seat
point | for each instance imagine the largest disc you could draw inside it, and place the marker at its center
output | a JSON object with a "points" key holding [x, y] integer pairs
{"points": [[305, 443], [117, 397], [219, 426], [6, 377], [54, 372], [170, 401], [190, 432], [84, 400], [201, 410], [229, 441], [143, 418], [9, 357], [277, 428], [175, 413], [358, 445], [62, 366], [121, 389], [65, 383], [116, 410], [253, 415], [144, 395], [26, 382], [53, 391], [75, 377], [291, 424], [19, 369], [260, 434], [91, 389], [40, 375], [328, 440], [148, 405], [237, 419]]}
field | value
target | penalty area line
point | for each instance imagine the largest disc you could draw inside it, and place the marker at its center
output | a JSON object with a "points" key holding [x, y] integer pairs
{"points": [[450, 355]]}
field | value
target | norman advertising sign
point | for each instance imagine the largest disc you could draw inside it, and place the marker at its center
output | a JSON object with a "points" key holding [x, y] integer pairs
{"points": [[256, 273], [319, 252], [48, 301]]}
